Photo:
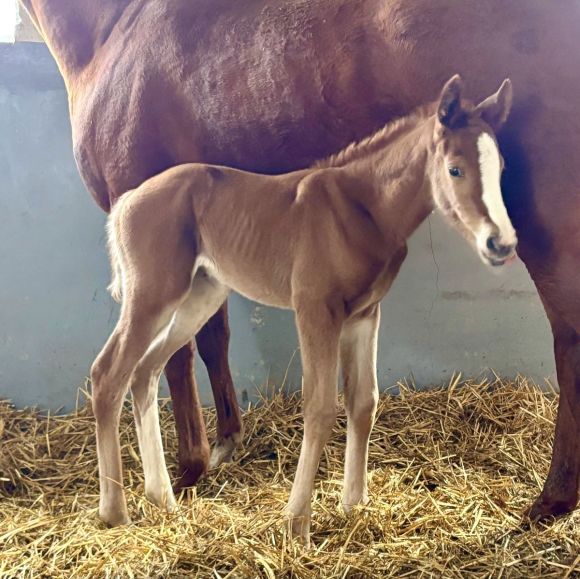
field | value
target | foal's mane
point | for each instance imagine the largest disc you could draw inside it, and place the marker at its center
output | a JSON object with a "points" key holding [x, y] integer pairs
{"points": [[377, 140]]}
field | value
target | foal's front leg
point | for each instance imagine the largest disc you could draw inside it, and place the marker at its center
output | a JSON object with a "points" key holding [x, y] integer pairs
{"points": [[358, 355], [319, 332]]}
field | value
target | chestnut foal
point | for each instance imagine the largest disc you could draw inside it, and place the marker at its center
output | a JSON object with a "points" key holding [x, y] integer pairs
{"points": [[326, 242]]}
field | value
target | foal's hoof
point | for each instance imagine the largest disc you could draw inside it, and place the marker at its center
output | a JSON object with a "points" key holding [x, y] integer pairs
{"points": [[546, 507], [224, 449], [164, 499], [349, 505], [298, 527], [114, 519]]}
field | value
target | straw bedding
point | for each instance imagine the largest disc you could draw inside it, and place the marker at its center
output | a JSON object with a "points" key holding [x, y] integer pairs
{"points": [[452, 470]]}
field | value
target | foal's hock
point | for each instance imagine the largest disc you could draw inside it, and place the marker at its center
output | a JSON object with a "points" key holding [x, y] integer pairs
{"points": [[326, 242]]}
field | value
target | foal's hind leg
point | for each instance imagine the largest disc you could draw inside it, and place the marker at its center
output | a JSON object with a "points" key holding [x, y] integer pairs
{"points": [[205, 296], [212, 342], [110, 375], [358, 354]]}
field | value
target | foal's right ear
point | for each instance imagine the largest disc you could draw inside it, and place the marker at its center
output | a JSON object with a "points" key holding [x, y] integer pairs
{"points": [[494, 110], [449, 110]]}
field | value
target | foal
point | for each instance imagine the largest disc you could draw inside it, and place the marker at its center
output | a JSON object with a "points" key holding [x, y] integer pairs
{"points": [[326, 242]]}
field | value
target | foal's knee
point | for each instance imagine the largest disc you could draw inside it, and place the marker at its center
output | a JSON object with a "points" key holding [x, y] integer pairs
{"points": [[97, 374]]}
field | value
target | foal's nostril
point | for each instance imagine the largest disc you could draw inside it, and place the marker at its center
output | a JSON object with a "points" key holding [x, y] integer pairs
{"points": [[497, 248], [492, 243]]}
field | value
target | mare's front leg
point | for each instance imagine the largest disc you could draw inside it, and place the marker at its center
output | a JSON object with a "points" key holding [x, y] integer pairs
{"points": [[213, 341], [561, 489], [193, 453], [319, 333], [358, 356]]}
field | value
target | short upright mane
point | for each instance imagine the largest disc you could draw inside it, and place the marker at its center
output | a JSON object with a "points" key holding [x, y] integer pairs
{"points": [[377, 140]]}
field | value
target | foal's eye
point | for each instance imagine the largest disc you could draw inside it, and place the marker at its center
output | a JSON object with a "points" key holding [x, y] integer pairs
{"points": [[455, 172]]}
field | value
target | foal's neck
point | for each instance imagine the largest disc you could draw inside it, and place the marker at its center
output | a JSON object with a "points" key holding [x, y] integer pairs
{"points": [[392, 180]]}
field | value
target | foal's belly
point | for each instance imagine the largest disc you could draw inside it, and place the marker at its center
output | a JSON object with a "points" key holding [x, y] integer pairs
{"points": [[266, 287]]}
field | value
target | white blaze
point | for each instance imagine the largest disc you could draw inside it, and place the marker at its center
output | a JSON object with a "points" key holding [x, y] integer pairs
{"points": [[490, 168]]}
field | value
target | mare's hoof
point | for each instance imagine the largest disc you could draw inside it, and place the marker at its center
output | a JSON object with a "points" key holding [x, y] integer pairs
{"points": [[546, 508], [224, 449], [190, 472]]}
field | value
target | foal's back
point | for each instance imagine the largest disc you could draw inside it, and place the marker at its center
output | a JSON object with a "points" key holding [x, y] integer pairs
{"points": [[217, 218], [266, 237]]}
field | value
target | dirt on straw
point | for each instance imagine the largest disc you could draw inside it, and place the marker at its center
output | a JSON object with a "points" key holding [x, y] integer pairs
{"points": [[451, 472]]}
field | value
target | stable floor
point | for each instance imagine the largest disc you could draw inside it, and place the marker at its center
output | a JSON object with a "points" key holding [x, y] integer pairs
{"points": [[451, 472]]}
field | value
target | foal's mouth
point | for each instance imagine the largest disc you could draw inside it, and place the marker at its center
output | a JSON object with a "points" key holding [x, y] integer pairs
{"points": [[498, 261], [496, 252]]}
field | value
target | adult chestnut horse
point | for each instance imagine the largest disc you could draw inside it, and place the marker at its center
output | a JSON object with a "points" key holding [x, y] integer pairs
{"points": [[271, 85]]}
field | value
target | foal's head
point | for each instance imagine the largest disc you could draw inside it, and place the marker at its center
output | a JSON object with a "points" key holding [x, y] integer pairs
{"points": [[467, 169]]}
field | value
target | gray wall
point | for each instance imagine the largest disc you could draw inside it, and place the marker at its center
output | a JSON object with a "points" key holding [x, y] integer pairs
{"points": [[446, 311]]}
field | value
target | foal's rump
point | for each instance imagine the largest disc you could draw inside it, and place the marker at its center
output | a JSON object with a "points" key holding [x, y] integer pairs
{"points": [[152, 235]]}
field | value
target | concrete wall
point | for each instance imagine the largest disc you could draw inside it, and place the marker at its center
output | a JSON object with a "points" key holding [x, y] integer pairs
{"points": [[446, 312]]}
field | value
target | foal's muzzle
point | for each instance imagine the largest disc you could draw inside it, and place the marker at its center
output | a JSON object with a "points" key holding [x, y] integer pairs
{"points": [[497, 252]]}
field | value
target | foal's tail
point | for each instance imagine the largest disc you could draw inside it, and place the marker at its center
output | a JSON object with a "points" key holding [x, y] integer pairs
{"points": [[115, 256]]}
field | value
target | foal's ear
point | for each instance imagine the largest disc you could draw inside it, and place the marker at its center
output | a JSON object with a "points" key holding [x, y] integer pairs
{"points": [[494, 110], [449, 110]]}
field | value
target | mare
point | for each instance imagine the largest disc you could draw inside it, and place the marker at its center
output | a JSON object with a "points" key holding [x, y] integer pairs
{"points": [[272, 85], [326, 242]]}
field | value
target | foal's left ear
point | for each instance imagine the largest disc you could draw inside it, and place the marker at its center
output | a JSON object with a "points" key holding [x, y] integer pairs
{"points": [[494, 110]]}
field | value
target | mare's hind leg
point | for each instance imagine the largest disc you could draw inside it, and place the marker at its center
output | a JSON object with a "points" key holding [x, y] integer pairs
{"points": [[110, 374], [358, 356], [205, 297], [212, 342], [193, 447], [193, 452]]}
